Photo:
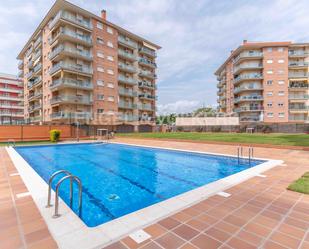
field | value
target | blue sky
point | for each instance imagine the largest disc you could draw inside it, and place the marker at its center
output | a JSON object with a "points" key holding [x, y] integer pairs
{"points": [[196, 36]]}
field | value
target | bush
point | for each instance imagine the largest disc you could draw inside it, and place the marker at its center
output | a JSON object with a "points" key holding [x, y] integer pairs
{"points": [[266, 129], [54, 135], [179, 128]]}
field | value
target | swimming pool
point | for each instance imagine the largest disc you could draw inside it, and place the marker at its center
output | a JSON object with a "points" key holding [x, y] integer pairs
{"points": [[120, 179]]}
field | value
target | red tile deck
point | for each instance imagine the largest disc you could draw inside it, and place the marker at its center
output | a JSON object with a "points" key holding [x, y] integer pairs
{"points": [[260, 213]]}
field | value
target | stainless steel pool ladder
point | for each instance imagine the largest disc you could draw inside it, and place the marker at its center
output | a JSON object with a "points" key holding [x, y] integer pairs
{"points": [[72, 178], [11, 142], [240, 153]]}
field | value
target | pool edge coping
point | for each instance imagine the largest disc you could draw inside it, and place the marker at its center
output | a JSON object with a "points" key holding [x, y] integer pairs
{"points": [[112, 231]]}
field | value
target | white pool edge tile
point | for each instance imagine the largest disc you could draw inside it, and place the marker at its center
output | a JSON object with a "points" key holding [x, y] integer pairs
{"points": [[66, 228]]}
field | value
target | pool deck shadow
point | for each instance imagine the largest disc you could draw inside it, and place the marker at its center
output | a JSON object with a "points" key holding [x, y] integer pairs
{"points": [[258, 213]]}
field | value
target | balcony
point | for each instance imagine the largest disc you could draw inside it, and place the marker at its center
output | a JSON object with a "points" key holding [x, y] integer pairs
{"points": [[146, 107], [297, 85], [35, 96], [248, 98], [298, 53], [11, 114], [146, 119], [221, 91], [37, 55], [20, 74], [126, 68], [221, 83], [248, 55], [21, 65], [29, 75], [222, 106], [244, 67], [250, 119], [299, 118], [71, 99], [127, 92], [244, 77], [247, 88], [298, 96], [126, 80], [148, 51], [35, 119], [147, 74], [71, 115], [67, 16], [70, 83], [298, 75], [298, 64], [8, 97], [249, 109], [29, 51], [67, 34], [221, 98], [38, 42], [146, 85], [147, 63], [74, 68], [299, 108], [37, 69], [72, 52], [127, 42], [126, 105], [30, 64], [12, 106], [147, 96], [126, 55], [33, 83], [127, 118], [33, 108]]}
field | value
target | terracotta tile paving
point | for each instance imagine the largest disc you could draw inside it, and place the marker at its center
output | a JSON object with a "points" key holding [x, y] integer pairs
{"points": [[260, 213]]}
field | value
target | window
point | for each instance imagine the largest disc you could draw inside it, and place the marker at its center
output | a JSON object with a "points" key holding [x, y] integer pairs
{"points": [[280, 104], [110, 30], [269, 104], [99, 25], [100, 40], [269, 93], [110, 44], [100, 54], [270, 72], [281, 114], [281, 93], [280, 61], [111, 98], [269, 82], [100, 69], [110, 71], [269, 49], [100, 82], [100, 97], [269, 61], [270, 114], [280, 49], [280, 71], [281, 82], [110, 85], [100, 110], [110, 58]]}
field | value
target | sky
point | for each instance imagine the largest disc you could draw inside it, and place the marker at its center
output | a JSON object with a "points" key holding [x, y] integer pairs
{"points": [[196, 36]]}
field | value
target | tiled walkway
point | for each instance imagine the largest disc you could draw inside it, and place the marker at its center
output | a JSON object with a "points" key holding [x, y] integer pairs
{"points": [[260, 213]]}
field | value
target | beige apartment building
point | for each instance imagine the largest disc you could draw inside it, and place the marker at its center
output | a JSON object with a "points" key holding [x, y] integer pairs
{"points": [[79, 67], [265, 82], [11, 99]]}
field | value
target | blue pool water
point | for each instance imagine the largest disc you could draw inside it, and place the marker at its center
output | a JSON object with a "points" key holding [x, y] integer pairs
{"points": [[120, 179]]}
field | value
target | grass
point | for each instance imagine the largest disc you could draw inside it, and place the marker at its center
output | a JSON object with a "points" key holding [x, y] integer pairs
{"points": [[27, 143], [256, 138], [301, 185]]}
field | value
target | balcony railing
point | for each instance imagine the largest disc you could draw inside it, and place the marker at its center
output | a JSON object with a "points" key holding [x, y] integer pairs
{"points": [[34, 95], [127, 55], [248, 77], [248, 66], [70, 17], [127, 42], [35, 107], [299, 97], [146, 84], [299, 118], [61, 48], [34, 82], [20, 74], [71, 115], [146, 107], [12, 114], [12, 106], [147, 96], [299, 107], [71, 99], [146, 119], [298, 64], [147, 74], [249, 98], [66, 82], [20, 64], [127, 68], [298, 75], [126, 105], [248, 108], [148, 63], [84, 38], [37, 68], [248, 54], [127, 92], [71, 67], [37, 42], [148, 51], [247, 88], [298, 85], [298, 53], [37, 55], [128, 118], [7, 97], [127, 80]]}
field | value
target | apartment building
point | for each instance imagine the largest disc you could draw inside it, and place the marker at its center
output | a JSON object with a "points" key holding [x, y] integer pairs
{"points": [[11, 99], [265, 82], [79, 67]]}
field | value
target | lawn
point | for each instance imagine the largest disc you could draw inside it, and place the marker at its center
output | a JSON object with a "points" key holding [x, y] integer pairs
{"points": [[274, 138], [27, 143], [301, 185]]}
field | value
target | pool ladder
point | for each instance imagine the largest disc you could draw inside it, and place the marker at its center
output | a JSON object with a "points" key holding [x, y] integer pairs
{"points": [[11, 143], [72, 178], [240, 153]]}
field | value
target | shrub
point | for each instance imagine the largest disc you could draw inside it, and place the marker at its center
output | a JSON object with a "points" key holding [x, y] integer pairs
{"points": [[54, 135], [179, 128], [266, 129]]}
